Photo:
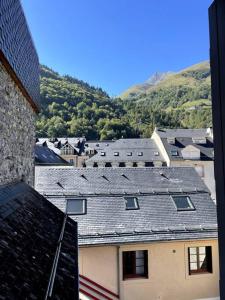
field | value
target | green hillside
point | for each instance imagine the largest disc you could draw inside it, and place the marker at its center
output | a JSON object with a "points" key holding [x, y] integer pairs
{"points": [[71, 107], [180, 99]]}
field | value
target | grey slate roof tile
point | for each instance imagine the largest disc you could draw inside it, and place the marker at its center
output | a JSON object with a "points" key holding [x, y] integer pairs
{"points": [[30, 228], [107, 221]]}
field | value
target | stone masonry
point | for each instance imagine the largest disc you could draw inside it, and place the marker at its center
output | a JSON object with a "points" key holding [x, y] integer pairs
{"points": [[17, 133]]}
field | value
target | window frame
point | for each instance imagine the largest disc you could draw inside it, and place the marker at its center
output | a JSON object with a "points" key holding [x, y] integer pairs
{"points": [[137, 207], [133, 266], [209, 260], [74, 199], [192, 207]]}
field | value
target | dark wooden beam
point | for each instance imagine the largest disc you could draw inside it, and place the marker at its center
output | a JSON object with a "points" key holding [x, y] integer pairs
{"points": [[217, 61]]}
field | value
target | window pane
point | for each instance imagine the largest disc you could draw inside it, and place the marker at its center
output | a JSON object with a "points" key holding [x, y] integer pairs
{"points": [[183, 202], [140, 254], [140, 270], [75, 206], [201, 250], [193, 258], [193, 250], [202, 257], [131, 202], [193, 266]]}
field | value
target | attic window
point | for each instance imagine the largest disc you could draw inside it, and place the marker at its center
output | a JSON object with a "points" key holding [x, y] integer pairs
{"points": [[116, 153], [131, 203], [129, 153], [102, 154], [140, 153], [174, 153], [171, 140], [183, 203], [76, 206]]}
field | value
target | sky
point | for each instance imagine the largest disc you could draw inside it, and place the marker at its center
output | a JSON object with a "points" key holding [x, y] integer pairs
{"points": [[114, 44]]}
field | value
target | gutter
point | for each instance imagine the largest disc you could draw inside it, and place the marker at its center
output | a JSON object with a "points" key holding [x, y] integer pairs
{"points": [[48, 294]]}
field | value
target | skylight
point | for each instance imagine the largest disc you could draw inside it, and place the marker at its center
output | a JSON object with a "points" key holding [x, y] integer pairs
{"points": [[76, 206], [116, 153], [174, 153], [183, 203], [129, 153], [140, 153], [131, 203]]}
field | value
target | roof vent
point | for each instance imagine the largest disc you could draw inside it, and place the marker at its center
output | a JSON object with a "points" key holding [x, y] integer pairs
{"points": [[103, 176], [163, 175], [83, 176], [59, 184]]}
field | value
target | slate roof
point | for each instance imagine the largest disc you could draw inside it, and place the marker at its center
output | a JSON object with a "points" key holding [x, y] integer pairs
{"points": [[30, 229], [148, 148], [18, 48], [183, 138], [46, 156], [108, 222]]}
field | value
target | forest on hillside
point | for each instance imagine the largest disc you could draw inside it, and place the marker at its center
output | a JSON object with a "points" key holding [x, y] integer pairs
{"points": [[71, 107]]}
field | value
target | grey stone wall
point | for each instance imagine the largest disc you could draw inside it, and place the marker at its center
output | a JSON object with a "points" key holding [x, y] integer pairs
{"points": [[17, 133]]}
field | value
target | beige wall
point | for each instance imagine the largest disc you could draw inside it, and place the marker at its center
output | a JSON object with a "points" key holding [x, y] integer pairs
{"points": [[168, 272], [101, 265]]}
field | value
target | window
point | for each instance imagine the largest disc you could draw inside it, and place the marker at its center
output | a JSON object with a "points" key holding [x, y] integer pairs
{"points": [[174, 153], [67, 150], [116, 153], [200, 260], [122, 165], [95, 165], [129, 153], [71, 161], [200, 141], [76, 206], [156, 153], [102, 153], [131, 203], [108, 165], [135, 264], [183, 203], [149, 164], [171, 140], [140, 153], [135, 165]]}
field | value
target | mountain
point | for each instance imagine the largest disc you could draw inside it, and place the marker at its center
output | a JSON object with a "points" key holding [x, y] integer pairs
{"points": [[183, 97], [72, 107]]}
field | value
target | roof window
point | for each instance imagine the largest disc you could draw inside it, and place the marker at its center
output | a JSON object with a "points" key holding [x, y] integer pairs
{"points": [[116, 153], [174, 153], [183, 203], [199, 140], [102, 153], [76, 206], [171, 140], [140, 153], [131, 203], [156, 153], [129, 153]]}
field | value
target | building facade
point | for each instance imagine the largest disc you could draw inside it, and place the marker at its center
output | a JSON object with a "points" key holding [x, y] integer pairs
{"points": [[189, 147], [144, 233]]}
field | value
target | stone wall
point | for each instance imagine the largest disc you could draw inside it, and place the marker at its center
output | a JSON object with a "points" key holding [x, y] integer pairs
{"points": [[17, 133]]}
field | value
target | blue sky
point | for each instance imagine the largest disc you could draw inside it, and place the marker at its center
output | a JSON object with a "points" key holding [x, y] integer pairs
{"points": [[114, 44]]}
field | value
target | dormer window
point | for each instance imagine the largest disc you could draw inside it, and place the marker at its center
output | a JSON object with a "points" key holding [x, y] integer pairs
{"points": [[171, 140], [183, 203], [129, 153], [76, 206], [174, 153], [102, 153], [156, 153], [116, 153], [131, 203], [140, 153]]}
